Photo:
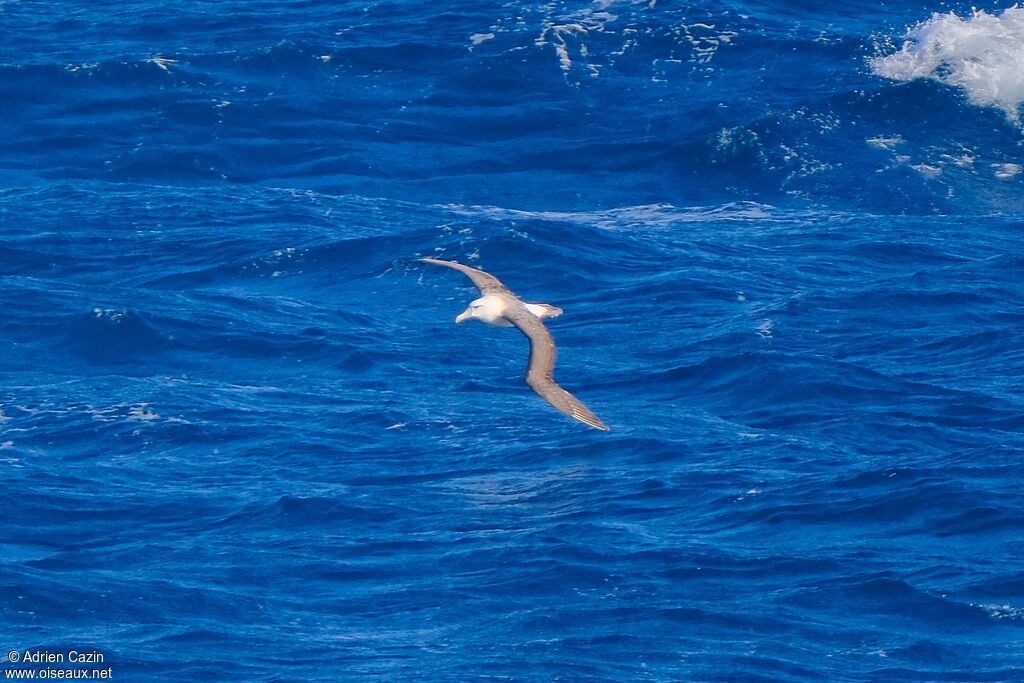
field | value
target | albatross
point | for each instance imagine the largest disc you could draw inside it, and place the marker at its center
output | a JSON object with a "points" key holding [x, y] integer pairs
{"points": [[499, 306]]}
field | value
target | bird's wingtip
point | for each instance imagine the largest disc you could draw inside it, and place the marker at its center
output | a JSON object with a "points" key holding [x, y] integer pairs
{"points": [[592, 420]]}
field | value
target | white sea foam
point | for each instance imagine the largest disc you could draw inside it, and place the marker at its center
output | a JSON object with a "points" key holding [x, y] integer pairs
{"points": [[564, 32], [983, 55], [927, 170], [886, 142], [162, 62], [629, 217], [1006, 171], [1004, 611]]}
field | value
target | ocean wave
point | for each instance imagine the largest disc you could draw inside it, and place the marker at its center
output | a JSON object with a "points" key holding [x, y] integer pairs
{"points": [[983, 55], [114, 335]]}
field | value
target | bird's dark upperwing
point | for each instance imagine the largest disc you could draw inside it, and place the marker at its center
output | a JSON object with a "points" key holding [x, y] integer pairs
{"points": [[485, 282], [541, 370]]}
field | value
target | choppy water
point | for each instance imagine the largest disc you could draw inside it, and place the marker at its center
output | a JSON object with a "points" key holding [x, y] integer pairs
{"points": [[242, 437]]}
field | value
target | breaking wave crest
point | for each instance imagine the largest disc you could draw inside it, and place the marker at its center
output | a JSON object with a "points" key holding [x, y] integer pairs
{"points": [[983, 55]]}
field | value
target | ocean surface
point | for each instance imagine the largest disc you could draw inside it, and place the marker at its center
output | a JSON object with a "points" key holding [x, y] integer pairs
{"points": [[241, 437]]}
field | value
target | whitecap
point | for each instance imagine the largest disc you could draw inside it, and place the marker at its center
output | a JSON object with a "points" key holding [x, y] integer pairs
{"points": [[1007, 170], [162, 62], [927, 170], [983, 55], [886, 141], [1005, 611]]}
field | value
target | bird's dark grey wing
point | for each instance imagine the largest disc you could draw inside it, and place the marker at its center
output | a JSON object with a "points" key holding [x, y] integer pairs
{"points": [[541, 369], [485, 282]]}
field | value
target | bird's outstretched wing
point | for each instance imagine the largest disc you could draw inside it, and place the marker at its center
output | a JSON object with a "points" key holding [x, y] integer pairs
{"points": [[485, 282], [541, 369]]}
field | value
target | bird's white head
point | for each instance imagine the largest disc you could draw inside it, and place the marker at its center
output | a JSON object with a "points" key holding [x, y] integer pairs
{"points": [[488, 309]]}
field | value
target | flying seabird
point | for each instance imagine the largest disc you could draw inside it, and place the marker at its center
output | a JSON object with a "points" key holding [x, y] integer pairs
{"points": [[499, 306]]}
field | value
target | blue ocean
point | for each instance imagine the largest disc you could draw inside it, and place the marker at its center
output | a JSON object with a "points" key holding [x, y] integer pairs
{"points": [[242, 437]]}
